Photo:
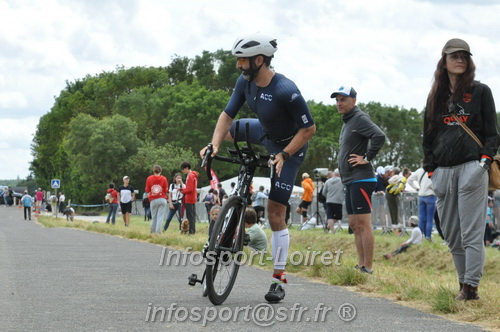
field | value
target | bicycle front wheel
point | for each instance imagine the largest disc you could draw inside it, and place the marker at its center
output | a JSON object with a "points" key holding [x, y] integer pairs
{"points": [[224, 250]]}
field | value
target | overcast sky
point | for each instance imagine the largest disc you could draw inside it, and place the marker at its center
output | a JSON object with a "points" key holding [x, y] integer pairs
{"points": [[386, 49]]}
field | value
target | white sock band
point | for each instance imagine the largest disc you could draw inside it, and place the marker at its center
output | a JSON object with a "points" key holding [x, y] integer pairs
{"points": [[279, 245]]}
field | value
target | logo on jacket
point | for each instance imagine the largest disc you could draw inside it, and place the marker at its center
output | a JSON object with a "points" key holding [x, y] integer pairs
{"points": [[467, 97], [156, 189], [449, 120]]}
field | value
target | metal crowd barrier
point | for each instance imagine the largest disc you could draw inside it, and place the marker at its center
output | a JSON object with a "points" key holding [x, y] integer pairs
{"points": [[408, 206]]}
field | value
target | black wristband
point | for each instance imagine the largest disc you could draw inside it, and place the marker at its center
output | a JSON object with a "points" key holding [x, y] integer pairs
{"points": [[285, 155]]}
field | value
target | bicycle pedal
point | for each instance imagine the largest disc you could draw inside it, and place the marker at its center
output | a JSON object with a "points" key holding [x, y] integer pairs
{"points": [[193, 279]]}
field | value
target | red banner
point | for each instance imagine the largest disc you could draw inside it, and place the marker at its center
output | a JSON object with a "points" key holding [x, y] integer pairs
{"points": [[214, 181]]}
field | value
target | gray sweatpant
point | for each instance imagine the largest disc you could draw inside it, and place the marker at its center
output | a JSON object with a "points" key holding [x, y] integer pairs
{"points": [[462, 194]]}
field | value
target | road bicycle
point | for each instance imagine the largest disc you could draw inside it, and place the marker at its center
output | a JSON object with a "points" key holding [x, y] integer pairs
{"points": [[224, 249]]}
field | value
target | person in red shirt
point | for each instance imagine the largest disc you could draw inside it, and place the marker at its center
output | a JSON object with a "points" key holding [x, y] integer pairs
{"points": [[157, 188], [39, 198], [190, 195], [113, 205]]}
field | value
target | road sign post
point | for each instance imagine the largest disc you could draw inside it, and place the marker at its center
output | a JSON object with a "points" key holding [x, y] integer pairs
{"points": [[55, 184]]}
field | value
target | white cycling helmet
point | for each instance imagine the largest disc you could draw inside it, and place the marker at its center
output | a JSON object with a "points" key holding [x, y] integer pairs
{"points": [[254, 44]]}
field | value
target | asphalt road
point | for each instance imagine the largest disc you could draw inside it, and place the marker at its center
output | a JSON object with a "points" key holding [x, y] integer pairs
{"points": [[70, 280]]}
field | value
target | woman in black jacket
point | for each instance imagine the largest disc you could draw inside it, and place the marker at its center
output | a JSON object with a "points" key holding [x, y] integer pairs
{"points": [[456, 163]]}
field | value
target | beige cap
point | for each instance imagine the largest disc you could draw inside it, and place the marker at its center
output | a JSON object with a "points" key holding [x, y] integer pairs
{"points": [[456, 45]]}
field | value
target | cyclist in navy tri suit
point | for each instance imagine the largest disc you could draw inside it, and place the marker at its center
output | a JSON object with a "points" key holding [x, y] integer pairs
{"points": [[284, 126]]}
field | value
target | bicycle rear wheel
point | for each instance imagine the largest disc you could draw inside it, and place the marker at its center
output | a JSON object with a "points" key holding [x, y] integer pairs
{"points": [[224, 250]]}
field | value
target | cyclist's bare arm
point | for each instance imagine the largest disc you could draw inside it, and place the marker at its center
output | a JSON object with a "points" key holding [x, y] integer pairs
{"points": [[298, 141], [221, 132]]}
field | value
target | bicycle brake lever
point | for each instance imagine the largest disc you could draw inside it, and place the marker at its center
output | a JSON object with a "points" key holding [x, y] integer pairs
{"points": [[208, 154], [207, 160]]}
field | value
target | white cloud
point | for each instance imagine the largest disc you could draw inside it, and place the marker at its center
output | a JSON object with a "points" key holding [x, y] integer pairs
{"points": [[16, 138], [386, 49]]}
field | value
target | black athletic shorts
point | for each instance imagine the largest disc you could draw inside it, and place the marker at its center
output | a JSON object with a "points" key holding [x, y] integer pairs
{"points": [[334, 211], [358, 197], [304, 204], [126, 207], [282, 188]]}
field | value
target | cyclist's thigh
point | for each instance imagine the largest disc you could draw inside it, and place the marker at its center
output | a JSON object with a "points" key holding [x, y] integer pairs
{"points": [[283, 185], [255, 130]]}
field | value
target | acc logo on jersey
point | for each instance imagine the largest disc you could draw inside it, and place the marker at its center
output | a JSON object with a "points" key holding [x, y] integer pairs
{"points": [[267, 97], [283, 186]]}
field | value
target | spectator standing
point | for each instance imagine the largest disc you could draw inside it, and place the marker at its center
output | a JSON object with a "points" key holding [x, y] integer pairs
{"points": [[259, 204], [39, 200], [126, 196], [420, 181], [360, 141], [457, 164], [379, 196], [190, 195], [209, 201], [53, 204], [113, 205], [222, 192], [488, 236], [62, 204], [175, 200], [44, 200], [216, 197], [157, 188], [333, 190], [396, 185], [308, 186], [10, 196], [27, 201], [6, 197], [496, 205], [146, 205]]}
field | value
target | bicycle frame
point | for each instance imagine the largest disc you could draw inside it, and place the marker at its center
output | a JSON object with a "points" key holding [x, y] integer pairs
{"points": [[248, 161]]}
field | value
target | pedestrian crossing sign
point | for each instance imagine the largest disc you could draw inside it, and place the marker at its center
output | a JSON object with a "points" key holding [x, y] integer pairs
{"points": [[55, 183]]}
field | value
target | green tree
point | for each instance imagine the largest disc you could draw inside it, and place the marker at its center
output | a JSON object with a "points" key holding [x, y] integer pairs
{"points": [[99, 152], [169, 157], [403, 130], [179, 70]]}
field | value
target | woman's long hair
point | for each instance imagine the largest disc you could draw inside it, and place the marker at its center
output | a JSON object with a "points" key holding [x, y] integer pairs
{"points": [[439, 96]]}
